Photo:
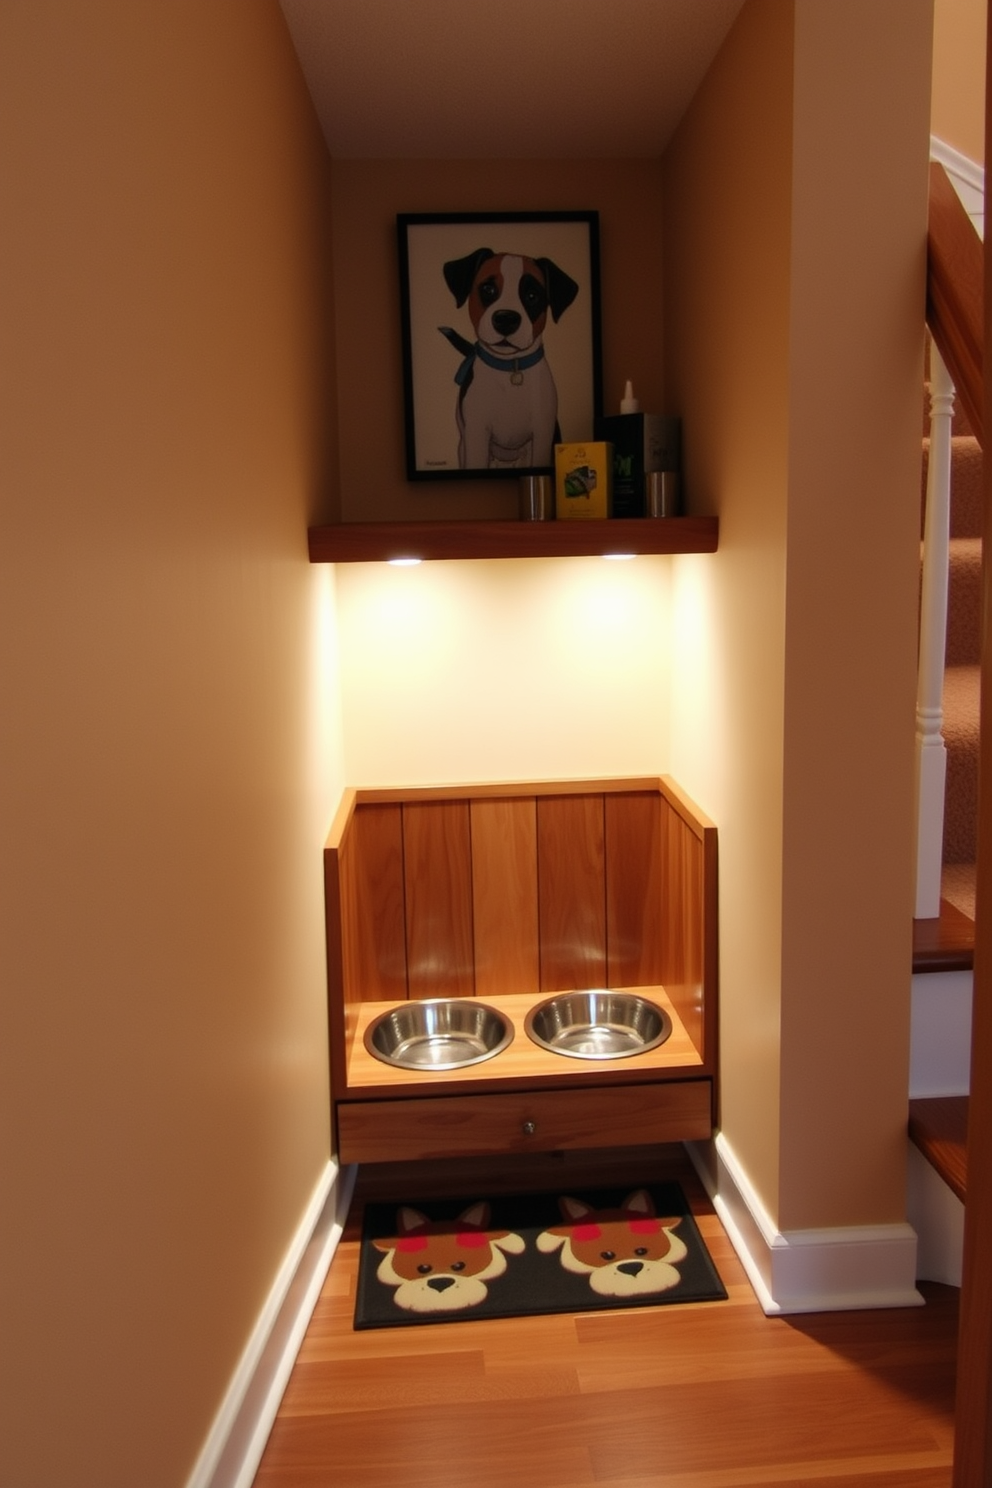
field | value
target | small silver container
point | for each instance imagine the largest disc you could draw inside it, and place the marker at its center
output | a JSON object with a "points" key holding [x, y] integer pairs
{"points": [[662, 493], [439, 1033], [537, 498], [598, 1025]]}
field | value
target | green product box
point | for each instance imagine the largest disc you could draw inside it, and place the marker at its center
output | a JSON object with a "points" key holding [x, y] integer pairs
{"points": [[641, 442]]}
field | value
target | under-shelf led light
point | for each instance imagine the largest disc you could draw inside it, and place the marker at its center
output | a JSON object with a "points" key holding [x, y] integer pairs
{"points": [[404, 562], [619, 557]]}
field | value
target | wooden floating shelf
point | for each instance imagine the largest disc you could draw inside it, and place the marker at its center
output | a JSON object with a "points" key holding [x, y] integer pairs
{"points": [[377, 542]]}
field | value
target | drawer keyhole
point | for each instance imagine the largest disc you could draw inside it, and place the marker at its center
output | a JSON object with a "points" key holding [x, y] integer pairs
{"points": [[530, 1128]]}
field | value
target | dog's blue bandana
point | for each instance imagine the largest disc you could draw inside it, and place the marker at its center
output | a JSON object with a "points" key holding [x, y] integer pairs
{"points": [[516, 367]]}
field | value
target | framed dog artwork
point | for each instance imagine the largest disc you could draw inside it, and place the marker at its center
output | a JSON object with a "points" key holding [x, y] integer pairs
{"points": [[501, 340]]}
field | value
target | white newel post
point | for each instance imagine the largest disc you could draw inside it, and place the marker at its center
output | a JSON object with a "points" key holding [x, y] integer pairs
{"points": [[931, 760]]}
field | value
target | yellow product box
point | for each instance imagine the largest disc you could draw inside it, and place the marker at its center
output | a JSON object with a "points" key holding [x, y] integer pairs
{"points": [[583, 480]]}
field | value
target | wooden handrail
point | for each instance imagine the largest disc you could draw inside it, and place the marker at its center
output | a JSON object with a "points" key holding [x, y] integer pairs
{"points": [[955, 300]]}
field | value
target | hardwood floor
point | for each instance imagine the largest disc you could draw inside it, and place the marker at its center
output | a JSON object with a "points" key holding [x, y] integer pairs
{"points": [[702, 1395]]}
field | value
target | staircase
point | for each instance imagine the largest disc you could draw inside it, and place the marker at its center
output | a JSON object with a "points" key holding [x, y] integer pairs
{"points": [[948, 819], [938, 1123]]}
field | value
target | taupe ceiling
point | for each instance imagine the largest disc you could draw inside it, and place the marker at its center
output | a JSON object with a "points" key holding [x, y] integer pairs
{"points": [[510, 79]]}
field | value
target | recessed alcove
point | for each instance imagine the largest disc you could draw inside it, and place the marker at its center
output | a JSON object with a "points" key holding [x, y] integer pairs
{"points": [[509, 892]]}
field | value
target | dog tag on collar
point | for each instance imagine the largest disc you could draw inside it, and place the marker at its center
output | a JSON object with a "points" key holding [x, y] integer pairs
{"points": [[516, 376]]}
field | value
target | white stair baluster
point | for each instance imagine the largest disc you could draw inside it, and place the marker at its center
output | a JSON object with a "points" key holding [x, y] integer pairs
{"points": [[931, 758]]}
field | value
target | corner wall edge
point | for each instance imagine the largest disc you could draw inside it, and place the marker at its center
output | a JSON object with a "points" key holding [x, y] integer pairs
{"points": [[841, 1269]]}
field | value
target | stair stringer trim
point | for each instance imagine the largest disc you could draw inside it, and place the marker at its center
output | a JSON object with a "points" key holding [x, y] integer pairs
{"points": [[967, 178], [842, 1269]]}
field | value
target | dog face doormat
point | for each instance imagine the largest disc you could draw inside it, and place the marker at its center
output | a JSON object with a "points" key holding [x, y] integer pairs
{"points": [[523, 1254]]}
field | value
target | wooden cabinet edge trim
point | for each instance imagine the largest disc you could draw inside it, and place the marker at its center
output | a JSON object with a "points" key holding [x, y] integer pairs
{"points": [[342, 819], [609, 1077], [684, 806], [506, 789]]}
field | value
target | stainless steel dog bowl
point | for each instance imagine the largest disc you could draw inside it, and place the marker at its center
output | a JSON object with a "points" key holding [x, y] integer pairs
{"points": [[598, 1025], [438, 1033]]}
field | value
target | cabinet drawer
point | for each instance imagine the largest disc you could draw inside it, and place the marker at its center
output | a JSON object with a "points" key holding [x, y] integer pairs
{"points": [[539, 1121]]}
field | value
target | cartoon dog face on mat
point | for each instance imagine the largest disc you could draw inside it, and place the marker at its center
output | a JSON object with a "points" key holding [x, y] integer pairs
{"points": [[444, 1265], [625, 1252]]}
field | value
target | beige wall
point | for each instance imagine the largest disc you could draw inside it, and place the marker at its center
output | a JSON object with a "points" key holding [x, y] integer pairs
{"points": [[171, 745], [727, 362], [797, 338], [858, 274], [504, 670], [958, 89]]}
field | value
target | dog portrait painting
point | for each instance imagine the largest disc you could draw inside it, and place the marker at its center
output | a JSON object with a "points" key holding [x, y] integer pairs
{"points": [[501, 340]]}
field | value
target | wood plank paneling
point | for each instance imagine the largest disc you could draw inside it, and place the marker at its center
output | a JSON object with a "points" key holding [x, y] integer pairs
{"points": [[373, 928], [682, 921], [338, 1033], [437, 861], [341, 869], [504, 896], [633, 889], [571, 866], [516, 892]]}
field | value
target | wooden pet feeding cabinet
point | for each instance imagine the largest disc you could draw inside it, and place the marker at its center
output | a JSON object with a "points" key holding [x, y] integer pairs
{"points": [[509, 894]]}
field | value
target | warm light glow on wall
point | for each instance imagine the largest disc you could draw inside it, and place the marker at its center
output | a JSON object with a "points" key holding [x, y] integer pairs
{"points": [[504, 669], [697, 674], [325, 745]]}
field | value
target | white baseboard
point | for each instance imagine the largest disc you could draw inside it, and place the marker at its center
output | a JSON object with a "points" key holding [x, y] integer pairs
{"points": [[827, 1270], [236, 1440]]}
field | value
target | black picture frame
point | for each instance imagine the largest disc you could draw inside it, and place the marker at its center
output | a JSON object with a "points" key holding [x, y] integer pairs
{"points": [[454, 387]]}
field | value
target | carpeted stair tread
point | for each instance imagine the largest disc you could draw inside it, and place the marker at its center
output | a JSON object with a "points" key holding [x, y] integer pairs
{"points": [[957, 886], [964, 602], [961, 696], [966, 485]]}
